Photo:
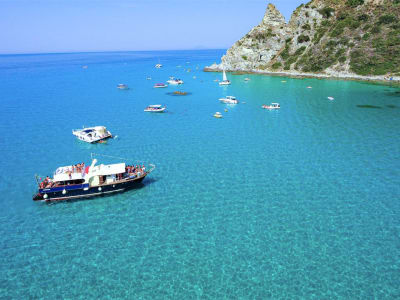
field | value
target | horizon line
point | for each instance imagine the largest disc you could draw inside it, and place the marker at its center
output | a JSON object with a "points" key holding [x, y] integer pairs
{"points": [[109, 51]]}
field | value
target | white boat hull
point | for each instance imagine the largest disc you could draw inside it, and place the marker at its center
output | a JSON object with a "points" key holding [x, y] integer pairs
{"points": [[228, 101], [155, 110]]}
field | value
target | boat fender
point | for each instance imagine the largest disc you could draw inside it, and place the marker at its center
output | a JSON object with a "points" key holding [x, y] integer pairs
{"points": [[64, 191], [45, 196], [99, 189]]}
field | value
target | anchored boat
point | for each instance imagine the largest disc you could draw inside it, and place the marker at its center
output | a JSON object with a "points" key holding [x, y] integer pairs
{"points": [[272, 106], [80, 181], [160, 85], [122, 86], [155, 108], [225, 80], [175, 81], [92, 134], [229, 100]]}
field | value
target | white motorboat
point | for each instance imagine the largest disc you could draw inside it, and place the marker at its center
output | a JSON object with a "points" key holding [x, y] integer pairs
{"points": [[92, 134], [225, 80], [160, 85], [272, 106], [158, 66], [331, 98], [229, 100], [158, 108], [122, 86], [175, 81], [247, 79]]}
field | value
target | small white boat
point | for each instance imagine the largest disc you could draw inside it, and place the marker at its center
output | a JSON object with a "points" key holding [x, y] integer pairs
{"points": [[84, 67], [158, 66], [272, 106], [92, 134], [158, 108], [175, 81], [160, 85], [247, 79], [217, 115], [122, 86], [309, 87], [225, 80], [148, 78], [229, 100], [331, 98]]}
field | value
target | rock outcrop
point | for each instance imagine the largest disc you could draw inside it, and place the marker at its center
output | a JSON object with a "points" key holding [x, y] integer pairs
{"points": [[342, 37]]}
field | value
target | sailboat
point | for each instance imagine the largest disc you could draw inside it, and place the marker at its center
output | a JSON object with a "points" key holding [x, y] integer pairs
{"points": [[225, 80]]}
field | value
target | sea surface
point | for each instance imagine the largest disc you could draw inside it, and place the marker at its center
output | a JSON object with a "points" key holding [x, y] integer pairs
{"points": [[300, 203]]}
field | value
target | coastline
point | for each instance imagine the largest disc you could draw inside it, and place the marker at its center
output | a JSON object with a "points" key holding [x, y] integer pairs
{"points": [[378, 79]]}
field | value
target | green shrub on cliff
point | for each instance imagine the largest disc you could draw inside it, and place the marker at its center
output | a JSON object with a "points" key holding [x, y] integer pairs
{"points": [[276, 65], [326, 12], [354, 3], [303, 38]]}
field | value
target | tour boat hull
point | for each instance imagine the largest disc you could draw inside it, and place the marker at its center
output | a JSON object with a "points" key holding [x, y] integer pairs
{"points": [[84, 191]]}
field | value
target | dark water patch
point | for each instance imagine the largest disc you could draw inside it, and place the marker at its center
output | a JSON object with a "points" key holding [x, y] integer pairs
{"points": [[179, 95], [369, 106], [391, 106], [393, 94]]}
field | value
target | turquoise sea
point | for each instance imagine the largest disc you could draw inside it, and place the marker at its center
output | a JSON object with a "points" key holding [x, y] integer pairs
{"points": [[300, 203]]}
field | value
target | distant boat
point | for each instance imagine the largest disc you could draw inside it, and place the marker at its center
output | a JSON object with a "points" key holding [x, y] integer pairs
{"points": [[148, 78], [247, 79], [158, 108], [272, 106], [92, 134], [225, 80], [229, 100], [122, 86], [309, 87], [180, 93], [158, 66], [175, 81], [331, 98], [160, 85], [84, 67], [217, 115]]}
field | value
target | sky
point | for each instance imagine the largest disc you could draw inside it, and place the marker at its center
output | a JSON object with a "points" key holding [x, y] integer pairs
{"points": [[45, 26]]}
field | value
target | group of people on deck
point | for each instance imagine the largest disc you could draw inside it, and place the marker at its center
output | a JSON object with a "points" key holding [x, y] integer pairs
{"points": [[136, 170], [46, 183], [78, 168]]}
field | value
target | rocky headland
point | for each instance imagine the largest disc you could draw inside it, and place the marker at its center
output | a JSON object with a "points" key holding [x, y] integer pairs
{"points": [[352, 39]]}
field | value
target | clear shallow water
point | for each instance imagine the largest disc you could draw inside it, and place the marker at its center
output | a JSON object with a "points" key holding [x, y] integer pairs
{"points": [[297, 203]]}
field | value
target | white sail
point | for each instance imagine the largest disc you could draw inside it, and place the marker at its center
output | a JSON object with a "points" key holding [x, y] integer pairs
{"points": [[224, 76]]}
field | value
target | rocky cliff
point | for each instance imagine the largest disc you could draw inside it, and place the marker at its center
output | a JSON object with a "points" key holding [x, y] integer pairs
{"points": [[328, 37]]}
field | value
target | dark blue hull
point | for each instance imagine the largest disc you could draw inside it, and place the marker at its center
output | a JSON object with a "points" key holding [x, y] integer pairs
{"points": [[84, 191]]}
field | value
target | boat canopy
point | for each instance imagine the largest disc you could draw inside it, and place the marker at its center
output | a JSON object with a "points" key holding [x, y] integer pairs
{"points": [[155, 105], [103, 170]]}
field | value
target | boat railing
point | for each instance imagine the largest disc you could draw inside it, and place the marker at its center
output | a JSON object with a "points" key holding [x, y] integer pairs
{"points": [[128, 161]]}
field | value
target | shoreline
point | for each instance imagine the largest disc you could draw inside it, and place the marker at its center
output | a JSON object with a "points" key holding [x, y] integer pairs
{"points": [[377, 79]]}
